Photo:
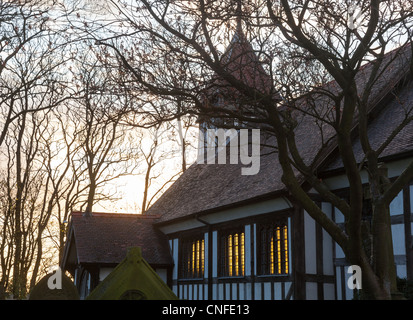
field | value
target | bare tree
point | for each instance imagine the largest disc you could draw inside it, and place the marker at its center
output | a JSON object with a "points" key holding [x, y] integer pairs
{"points": [[27, 34], [156, 149], [55, 159], [185, 137], [97, 113], [64, 173], [28, 88], [26, 212]]}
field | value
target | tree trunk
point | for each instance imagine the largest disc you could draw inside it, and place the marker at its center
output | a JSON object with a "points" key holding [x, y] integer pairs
{"points": [[18, 215], [39, 256], [146, 187], [91, 196], [383, 257], [383, 254], [2, 290], [381, 277]]}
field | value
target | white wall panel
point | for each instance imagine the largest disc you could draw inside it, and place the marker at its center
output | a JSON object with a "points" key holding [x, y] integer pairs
{"points": [[267, 290], [329, 291], [310, 244], [396, 206], [399, 246], [257, 289], [241, 293], [278, 291], [311, 291], [175, 258]]}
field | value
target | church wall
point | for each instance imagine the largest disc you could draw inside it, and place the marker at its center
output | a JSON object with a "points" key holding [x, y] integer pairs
{"points": [[249, 286], [401, 226], [324, 265]]}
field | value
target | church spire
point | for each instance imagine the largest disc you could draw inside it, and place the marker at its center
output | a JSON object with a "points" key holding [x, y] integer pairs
{"points": [[238, 14], [240, 58]]}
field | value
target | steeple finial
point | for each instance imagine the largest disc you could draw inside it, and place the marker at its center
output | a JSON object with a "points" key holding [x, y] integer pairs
{"points": [[238, 14]]}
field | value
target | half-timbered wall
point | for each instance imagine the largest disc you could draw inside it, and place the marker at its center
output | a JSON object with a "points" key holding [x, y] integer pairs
{"points": [[401, 226], [318, 280], [401, 215], [250, 285], [317, 268]]}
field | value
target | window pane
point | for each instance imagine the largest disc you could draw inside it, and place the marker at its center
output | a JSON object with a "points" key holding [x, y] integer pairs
{"points": [[230, 255], [242, 249], [236, 253], [286, 249]]}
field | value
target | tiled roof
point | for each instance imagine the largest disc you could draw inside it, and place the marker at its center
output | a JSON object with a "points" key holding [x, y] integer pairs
{"points": [[382, 127], [397, 104], [205, 187], [105, 237]]}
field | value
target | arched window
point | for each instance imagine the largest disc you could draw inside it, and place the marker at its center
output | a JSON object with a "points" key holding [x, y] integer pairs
{"points": [[133, 295]]}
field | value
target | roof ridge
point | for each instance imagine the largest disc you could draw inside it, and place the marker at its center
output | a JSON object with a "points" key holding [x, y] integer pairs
{"points": [[118, 215]]}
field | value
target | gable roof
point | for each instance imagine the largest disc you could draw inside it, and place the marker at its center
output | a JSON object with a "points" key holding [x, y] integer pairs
{"points": [[383, 125], [383, 103], [205, 187], [133, 276], [103, 238]]}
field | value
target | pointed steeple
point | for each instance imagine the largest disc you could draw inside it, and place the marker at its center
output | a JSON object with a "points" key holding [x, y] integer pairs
{"points": [[241, 60], [239, 17]]}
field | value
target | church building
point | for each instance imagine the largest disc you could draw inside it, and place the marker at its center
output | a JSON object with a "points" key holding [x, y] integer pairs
{"points": [[217, 234]]}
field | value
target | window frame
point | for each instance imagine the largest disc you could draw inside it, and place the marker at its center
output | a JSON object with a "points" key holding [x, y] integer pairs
{"points": [[191, 263], [232, 260], [273, 248]]}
